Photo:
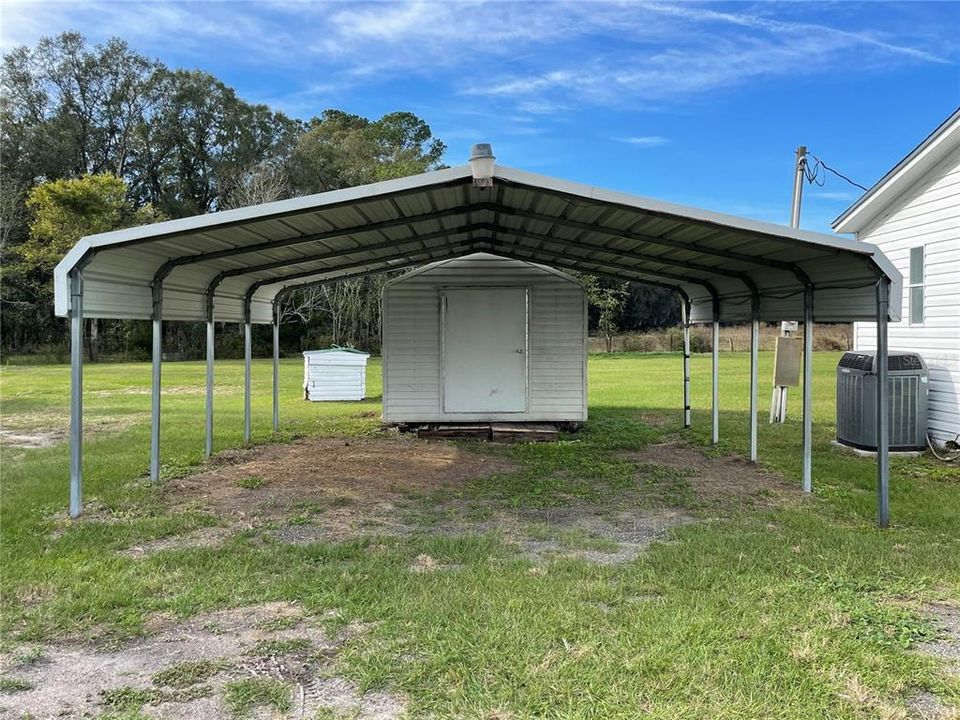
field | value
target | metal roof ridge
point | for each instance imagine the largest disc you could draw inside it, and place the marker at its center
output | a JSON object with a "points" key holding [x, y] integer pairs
{"points": [[666, 207], [890, 178]]}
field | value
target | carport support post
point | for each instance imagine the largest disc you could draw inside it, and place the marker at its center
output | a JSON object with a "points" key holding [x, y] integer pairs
{"points": [[883, 406], [685, 317], [276, 366], [157, 356], [807, 479], [247, 359], [754, 370], [76, 393], [715, 371], [211, 338]]}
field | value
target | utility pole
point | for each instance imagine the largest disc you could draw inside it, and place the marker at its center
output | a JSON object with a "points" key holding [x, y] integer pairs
{"points": [[778, 403], [798, 186]]}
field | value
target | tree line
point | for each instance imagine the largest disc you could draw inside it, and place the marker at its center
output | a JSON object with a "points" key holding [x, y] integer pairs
{"points": [[100, 137]]}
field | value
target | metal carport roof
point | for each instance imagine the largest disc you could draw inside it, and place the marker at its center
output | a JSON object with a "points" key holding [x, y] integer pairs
{"points": [[232, 265], [258, 251]]}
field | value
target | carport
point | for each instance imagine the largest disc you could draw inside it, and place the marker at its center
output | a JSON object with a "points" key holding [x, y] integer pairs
{"points": [[236, 265]]}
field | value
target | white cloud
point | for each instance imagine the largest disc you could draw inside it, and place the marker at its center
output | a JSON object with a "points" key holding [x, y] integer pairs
{"points": [[150, 27], [818, 194], [701, 66], [747, 20], [644, 141], [535, 58], [539, 107]]}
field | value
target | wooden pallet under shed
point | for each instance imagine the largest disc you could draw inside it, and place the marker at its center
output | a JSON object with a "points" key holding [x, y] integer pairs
{"points": [[495, 432]]}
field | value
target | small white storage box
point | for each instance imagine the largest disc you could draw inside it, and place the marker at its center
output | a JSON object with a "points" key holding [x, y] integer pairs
{"points": [[334, 374]]}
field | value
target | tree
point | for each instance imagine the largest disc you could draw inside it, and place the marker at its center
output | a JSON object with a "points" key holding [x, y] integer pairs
{"points": [[68, 109], [263, 183], [181, 141], [178, 138], [605, 300], [649, 307], [62, 212], [200, 143], [340, 149]]}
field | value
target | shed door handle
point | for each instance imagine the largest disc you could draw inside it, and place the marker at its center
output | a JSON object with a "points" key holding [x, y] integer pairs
{"points": [[520, 350]]}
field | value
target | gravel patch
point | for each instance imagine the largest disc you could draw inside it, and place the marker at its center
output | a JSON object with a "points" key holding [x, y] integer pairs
{"points": [[270, 641], [203, 538], [946, 647], [622, 536]]}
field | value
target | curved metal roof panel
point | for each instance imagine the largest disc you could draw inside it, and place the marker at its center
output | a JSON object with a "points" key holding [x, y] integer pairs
{"points": [[250, 255]]}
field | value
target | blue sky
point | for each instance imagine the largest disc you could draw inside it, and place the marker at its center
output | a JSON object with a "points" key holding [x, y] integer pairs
{"points": [[697, 103]]}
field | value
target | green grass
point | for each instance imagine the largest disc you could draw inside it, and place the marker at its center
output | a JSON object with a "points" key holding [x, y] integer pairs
{"points": [[806, 610], [187, 673], [9, 685], [251, 482], [275, 648], [242, 696], [127, 699]]}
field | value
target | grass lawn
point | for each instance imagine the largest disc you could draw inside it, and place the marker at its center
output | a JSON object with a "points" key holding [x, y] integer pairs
{"points": [[795, 610]]}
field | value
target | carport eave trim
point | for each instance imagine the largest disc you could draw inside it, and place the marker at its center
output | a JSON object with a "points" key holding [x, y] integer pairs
{"points": [[75, 258]]}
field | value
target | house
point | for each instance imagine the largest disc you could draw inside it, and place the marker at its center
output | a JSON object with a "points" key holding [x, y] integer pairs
{"points": [[913, 215], [484, 338]]}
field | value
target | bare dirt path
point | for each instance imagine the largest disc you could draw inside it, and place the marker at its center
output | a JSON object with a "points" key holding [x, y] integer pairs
{"points": [[190, 669]]}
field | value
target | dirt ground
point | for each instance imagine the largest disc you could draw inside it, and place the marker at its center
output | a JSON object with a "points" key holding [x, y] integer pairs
{"points": [[182, 670], [350, 482], [329, 490], [719, 479], [42, 430], [322, 490]]}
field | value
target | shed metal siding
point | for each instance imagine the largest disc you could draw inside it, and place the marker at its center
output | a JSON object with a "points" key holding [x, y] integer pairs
{"points": [[412, 377], [928, 215]]}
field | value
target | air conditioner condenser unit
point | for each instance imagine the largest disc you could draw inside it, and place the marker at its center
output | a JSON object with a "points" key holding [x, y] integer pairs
{"points": [[857, 400]]}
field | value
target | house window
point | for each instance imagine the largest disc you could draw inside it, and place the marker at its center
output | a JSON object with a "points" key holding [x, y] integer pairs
{"points": [[916, 285]]}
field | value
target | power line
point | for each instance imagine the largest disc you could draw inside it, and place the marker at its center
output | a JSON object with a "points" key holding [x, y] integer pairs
{"points": [[813, 174]]}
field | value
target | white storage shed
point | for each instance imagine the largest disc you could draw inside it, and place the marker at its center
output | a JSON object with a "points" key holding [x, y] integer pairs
{"points": [[484, 338], [334, 374]]}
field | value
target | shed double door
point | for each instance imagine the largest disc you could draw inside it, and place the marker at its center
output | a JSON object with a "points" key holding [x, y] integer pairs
{"points": [[485, 350]]}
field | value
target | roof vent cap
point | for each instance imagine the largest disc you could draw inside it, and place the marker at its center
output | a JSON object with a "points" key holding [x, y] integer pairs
{"points": [[482, 163]]}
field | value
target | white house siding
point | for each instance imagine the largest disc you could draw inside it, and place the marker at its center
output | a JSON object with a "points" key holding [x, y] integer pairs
{"points": [[412, 381], [928, 215]]}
